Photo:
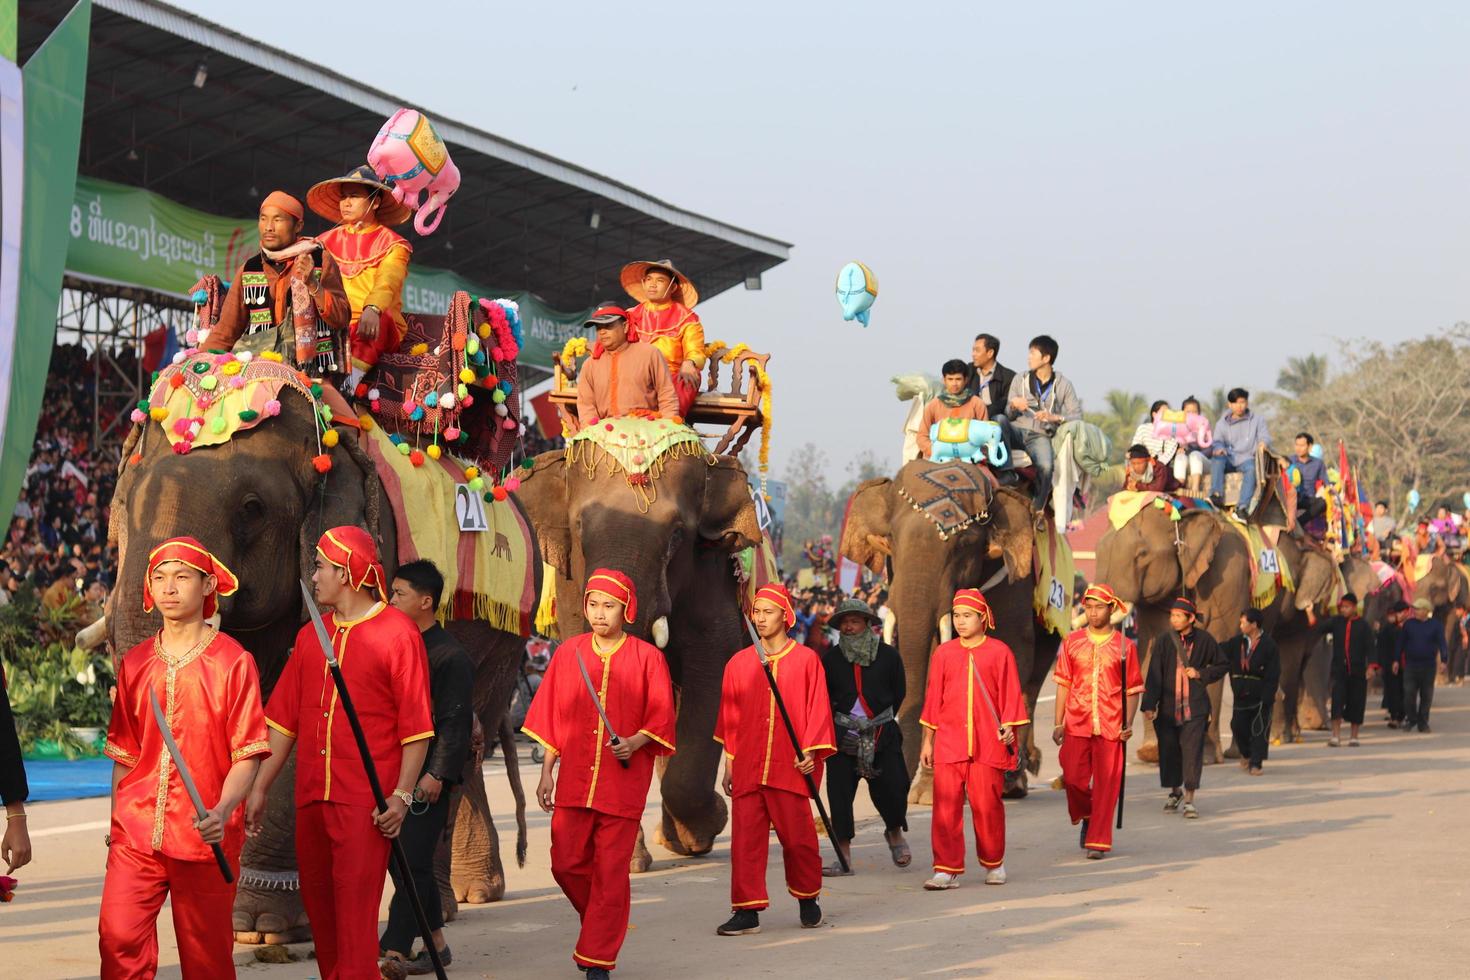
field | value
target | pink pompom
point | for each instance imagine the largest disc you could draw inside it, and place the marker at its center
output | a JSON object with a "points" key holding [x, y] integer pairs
{"points": [[408, 406], [237, 382], [204, 402], [496, 354], [513, 484], [375, 405], [273, 407], [139, 416], [183, 447], [511, 424], [191, 336], [181, 426], [451, 433], [467, 401], [223, 358]]}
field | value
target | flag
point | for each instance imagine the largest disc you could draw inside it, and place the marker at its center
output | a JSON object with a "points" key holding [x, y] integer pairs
{"points": [[159, 348]]}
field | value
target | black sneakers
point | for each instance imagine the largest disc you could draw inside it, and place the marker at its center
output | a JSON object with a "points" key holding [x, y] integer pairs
{"points": [[743, 923], [811, 913]]}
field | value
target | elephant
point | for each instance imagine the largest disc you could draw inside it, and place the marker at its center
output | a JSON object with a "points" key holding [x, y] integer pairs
{"points": [[674, 532], [1152, 560], [985, 540], [1292, 620], [259, 503]]}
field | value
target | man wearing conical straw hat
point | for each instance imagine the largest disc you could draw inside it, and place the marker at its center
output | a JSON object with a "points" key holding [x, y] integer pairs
{"points": [[373, 259], [665, 318]]}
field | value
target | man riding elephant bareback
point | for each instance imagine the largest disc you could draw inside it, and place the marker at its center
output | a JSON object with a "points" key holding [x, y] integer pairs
{"points": [[287, 301], [665, 318]]}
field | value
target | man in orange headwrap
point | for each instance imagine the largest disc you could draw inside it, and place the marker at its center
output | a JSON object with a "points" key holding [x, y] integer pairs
{"points": [[341, 840], [287, 298], [665, 318], [372, 257], [972, 708], [1095, 667], [159, 847], [605, 773], [764, 774], [623, 376]]}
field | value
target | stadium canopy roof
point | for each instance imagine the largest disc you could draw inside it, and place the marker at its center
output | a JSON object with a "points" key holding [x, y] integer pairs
{"points": [[213, 119]]}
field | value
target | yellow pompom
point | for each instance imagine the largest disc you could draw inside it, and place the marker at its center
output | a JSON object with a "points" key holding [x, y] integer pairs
{"points": [[470, 472], [271, 355], [329, 438], [419, 350], [158, 413], [434, 451], [233, 367], [467, 376], [365, 421], [484, 330]]}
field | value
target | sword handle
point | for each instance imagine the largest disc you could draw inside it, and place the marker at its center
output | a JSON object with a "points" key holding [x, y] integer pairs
{"points": [[614, 740], [224, 864]]}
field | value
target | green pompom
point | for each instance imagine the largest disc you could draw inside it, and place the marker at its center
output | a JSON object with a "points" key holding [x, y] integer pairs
{"points": [[217, 425], [316, 391], [249, 415], [200, 367], [404, 449]]}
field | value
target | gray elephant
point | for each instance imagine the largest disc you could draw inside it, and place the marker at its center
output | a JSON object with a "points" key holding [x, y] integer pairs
{"points": [[936, 528], [259, 503], [674, 530]]}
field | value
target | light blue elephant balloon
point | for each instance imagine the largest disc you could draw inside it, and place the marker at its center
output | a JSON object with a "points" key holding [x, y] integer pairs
{"points": [[1316, 451], [1413, 500], [1466, 499], [857, 288]]}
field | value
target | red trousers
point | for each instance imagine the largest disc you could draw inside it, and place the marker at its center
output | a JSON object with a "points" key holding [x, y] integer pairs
{"points": [[590, 853], [132, 895], [343, 861], [365, 353], [753, 815], [1092, 771], [686, 393], [982, 784]]}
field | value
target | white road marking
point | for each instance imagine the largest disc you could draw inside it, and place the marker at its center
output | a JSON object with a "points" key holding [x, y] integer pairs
{"points": [[75, 828]]}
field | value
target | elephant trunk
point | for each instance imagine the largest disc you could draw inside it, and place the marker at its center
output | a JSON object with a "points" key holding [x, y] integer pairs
{"points": [[918, 601]]}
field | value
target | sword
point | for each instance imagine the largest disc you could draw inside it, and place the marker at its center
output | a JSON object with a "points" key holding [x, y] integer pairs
{"points": [[188, 780], [405, 873], [811, 784], [587, 679]]}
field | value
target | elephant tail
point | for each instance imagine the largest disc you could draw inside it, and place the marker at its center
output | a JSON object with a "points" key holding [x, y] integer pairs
{"points": [[513, 773]]}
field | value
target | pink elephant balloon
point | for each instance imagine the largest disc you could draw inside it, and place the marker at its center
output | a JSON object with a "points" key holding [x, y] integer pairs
{"points": [[409, 157]]}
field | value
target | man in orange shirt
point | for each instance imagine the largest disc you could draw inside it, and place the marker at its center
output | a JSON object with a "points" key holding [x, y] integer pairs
{"points": [[952, 403], [158, 846], [763, 775], [972, 709], [341, 839], [665, 318], [596, 804], [1092, 724], [623, 376]]}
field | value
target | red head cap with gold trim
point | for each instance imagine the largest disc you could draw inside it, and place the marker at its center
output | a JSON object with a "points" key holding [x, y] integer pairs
{"points": [[975, 599], [190, 552], [1101, 593], [616, 586], [352, 549], [781, 599]]}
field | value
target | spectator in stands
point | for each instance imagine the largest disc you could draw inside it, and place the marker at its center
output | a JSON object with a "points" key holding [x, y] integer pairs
{"points": [[954, 402], [1238, 435]]}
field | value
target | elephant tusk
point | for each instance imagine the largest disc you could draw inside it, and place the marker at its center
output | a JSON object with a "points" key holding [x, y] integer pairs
{"points": [[660, 631], [91, 636], [946, 628]]}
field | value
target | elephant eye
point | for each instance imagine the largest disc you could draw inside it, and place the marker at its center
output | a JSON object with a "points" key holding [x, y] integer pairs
{"points": [[248, 514]]}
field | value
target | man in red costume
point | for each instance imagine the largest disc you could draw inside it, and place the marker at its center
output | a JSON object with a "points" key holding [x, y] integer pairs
{"points": [[341, 840], [604, 774], [158, 846], [665, 318], [972, 708], [763, 774], [1092, 724]]}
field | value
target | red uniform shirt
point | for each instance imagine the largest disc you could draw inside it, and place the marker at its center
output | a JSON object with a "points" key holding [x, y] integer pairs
{"points": [[1089, 675], [955, 706], [634, 689], [387, 673], [750, 726], [211, 697]]}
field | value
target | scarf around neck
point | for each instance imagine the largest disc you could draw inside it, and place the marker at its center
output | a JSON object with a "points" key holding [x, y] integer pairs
{"points": [[860, 649], [955, 401]]}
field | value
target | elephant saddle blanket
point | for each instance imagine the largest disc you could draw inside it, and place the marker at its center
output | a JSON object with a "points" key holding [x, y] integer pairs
{"points": [[637, 447], [1055, 572], [489, 573], [1269, 573], [952, 495]]}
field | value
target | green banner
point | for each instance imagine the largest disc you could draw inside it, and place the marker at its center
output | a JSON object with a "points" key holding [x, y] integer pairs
{"points": [[53, 87], [134, 237]]}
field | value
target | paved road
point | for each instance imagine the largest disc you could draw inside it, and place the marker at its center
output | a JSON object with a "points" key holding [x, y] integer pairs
{"points": [[1338, 862]]}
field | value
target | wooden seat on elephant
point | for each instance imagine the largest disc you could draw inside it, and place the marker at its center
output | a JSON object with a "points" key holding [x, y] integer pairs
{"points": [[726, 418]]}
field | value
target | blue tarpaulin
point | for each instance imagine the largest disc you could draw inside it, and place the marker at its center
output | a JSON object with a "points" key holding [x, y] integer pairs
{"points": [[75, 780]]}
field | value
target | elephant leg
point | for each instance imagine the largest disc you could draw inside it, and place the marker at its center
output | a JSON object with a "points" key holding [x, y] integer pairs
{"points": [[444, 860], [921, 790], [1213, 754], [1312, 712], [641, 860], [268, 907], [475, 872]]}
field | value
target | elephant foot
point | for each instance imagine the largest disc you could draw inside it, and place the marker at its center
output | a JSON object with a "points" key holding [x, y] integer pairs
{"points": [[1233, 752], [1058, 783], [1148, 752], [641, 860], [1017, 787], [693, 836], [921, 791], [481, 890], [269, 916]]}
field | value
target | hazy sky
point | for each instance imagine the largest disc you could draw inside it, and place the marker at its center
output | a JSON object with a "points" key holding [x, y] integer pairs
{"points": [[1182, 194]]}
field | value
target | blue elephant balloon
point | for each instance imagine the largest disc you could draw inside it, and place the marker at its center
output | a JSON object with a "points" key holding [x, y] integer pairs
{"points": [[857, 288], [1316, 451], [1413, 500], [1466, 499]]}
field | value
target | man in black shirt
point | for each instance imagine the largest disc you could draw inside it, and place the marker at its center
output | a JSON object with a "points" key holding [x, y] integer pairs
{"points": [[418, 588], [1353, 649], [1255, 671], [1389, 667], [1183, 662], [865, 681]]}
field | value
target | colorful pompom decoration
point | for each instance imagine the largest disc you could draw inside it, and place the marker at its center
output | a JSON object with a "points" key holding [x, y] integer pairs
{"points": [[396, 438], [237, 382], [431, 400], [316, 391], [509, 424], [451, 432], [233, 367], [360, 390], [329, 438], [273, 407], [200, 367], [158, 413], [470, 472], [416, 458], [404, 449], [249, 415], [374, 394], [408, 406], [472, 346], [419, 350], [498, 396], [183, 447], [176, 381], [208, 383], [323, 463], [501, 410], [477, 484], [139, 416], [179, 358], [417, 414], [528, 464], [466, 401], [365, 421], [499, 493], [446, 401], [434, 451], [462, 391], [245, 356], [512, 484], [217, 425], [466, 375], [270, 355]]}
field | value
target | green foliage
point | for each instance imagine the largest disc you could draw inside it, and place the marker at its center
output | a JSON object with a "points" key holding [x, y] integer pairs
{"points": [[1124, 412], [53, 685]]}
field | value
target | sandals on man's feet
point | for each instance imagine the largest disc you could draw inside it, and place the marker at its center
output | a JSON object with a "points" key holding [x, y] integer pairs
{"points": [[834, 870], [1171, 805], [1189, 811], [901, 854]]}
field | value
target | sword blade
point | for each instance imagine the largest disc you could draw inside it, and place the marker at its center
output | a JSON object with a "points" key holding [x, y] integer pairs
{"points": [[178, 757], [322, 636], [602, 712]]}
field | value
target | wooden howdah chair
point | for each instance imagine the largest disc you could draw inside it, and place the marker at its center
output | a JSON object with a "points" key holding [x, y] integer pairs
{"points": [[727, 418]]}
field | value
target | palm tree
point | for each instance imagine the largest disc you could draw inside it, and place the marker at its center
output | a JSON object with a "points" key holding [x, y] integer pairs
{"points": [[1302, 375], [1125, 410]]}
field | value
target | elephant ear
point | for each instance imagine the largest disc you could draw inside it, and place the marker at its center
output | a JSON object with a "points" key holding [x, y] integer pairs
{"points": [[1319, 583], [543, 496], [1013, 530], [867, 532], [349, 493], [728, 515], [1200, 533]]}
